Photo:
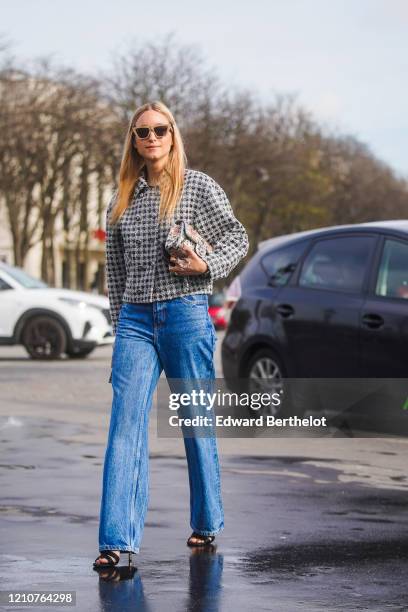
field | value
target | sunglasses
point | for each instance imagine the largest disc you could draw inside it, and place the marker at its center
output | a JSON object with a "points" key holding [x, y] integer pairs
{"points": [[144, 132]]}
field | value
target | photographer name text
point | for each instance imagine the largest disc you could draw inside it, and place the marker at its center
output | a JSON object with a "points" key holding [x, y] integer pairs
{"points": [[259, 421]]}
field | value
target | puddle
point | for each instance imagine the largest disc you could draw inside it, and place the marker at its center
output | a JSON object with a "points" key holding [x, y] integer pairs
{"points": [[11, 422]]}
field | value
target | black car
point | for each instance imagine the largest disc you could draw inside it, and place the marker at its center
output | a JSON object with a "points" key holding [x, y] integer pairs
{"points": [[325, 303]]}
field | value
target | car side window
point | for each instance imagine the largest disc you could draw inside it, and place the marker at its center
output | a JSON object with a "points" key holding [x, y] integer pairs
{"points": [[392, 279], [4, 285], [338, 264], [279, 265]]}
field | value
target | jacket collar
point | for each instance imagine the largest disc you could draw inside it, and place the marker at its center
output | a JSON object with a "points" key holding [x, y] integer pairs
{"points": [[141, 183]]}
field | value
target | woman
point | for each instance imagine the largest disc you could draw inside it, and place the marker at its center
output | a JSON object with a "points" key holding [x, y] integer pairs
{"points": [[159, 309]]}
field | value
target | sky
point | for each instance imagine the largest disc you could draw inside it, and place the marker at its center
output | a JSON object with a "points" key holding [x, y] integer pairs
{"points": [[346, 61]]}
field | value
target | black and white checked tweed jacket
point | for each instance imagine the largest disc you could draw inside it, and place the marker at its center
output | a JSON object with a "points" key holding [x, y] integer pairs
{"points": [[136, 268]]}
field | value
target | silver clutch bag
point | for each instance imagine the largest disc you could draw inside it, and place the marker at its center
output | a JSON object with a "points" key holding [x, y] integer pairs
{"points": [[183, 233]]}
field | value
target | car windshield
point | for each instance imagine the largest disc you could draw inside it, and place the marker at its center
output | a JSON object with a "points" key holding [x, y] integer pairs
{"points": [[27, 281]]}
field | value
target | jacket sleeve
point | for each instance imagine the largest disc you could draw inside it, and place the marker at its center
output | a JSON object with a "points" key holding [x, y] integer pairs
{"points": [[115, 266], [216, 222]]}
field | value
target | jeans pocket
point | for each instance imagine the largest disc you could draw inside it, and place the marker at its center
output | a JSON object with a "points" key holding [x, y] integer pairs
{"points": [[194, 299]]}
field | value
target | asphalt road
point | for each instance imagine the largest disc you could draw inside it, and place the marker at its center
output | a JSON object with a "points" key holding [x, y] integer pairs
{"points": [[311, 523]]}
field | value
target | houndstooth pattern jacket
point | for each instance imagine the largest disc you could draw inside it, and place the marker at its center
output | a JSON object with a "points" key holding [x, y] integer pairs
{"points": [[136, 266]]}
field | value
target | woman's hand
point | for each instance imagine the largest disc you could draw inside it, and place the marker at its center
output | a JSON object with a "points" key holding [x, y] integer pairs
{"points": [[185, 261]]}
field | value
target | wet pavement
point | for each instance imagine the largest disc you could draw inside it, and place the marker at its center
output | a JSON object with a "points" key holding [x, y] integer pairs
{"points": [[310, 524]]}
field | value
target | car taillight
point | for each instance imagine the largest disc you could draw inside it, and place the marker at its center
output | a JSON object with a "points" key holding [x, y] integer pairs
{"points": [[220, 313]]}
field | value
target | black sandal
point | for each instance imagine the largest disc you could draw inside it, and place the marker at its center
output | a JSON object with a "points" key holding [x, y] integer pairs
{"points": [[205, 540], [111, 556]]}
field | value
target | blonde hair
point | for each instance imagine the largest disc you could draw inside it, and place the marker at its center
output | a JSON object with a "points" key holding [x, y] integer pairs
{"points": [[132, 165]]}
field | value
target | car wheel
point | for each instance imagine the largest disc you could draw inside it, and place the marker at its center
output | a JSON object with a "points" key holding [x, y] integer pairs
{"points": [[44, 338], [265, 373], [80, 353]]}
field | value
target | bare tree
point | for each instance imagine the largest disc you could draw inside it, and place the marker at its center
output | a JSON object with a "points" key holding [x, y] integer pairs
{"points": [[162, 70]]}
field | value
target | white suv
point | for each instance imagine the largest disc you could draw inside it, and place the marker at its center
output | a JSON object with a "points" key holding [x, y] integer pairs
{"points": [[49, 322]]}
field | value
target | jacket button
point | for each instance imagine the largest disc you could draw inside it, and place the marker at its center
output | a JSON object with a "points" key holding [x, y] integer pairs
{"points": [[137, 217]]}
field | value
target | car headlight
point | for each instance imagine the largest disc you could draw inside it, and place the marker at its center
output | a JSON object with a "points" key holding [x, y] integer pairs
{"points": [[73, 302], [83, 304]]}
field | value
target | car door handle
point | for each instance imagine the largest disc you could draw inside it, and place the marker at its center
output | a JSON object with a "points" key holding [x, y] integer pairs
{"points": [[372, 321], [285, 310]]}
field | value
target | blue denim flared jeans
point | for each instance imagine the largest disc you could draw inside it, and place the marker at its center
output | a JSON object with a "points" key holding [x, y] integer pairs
{"points": [[176, 336]]}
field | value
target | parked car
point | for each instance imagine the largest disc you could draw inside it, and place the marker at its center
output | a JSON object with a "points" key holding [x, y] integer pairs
{"points": [[217, 310], [48, 321], [324, 303]]}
